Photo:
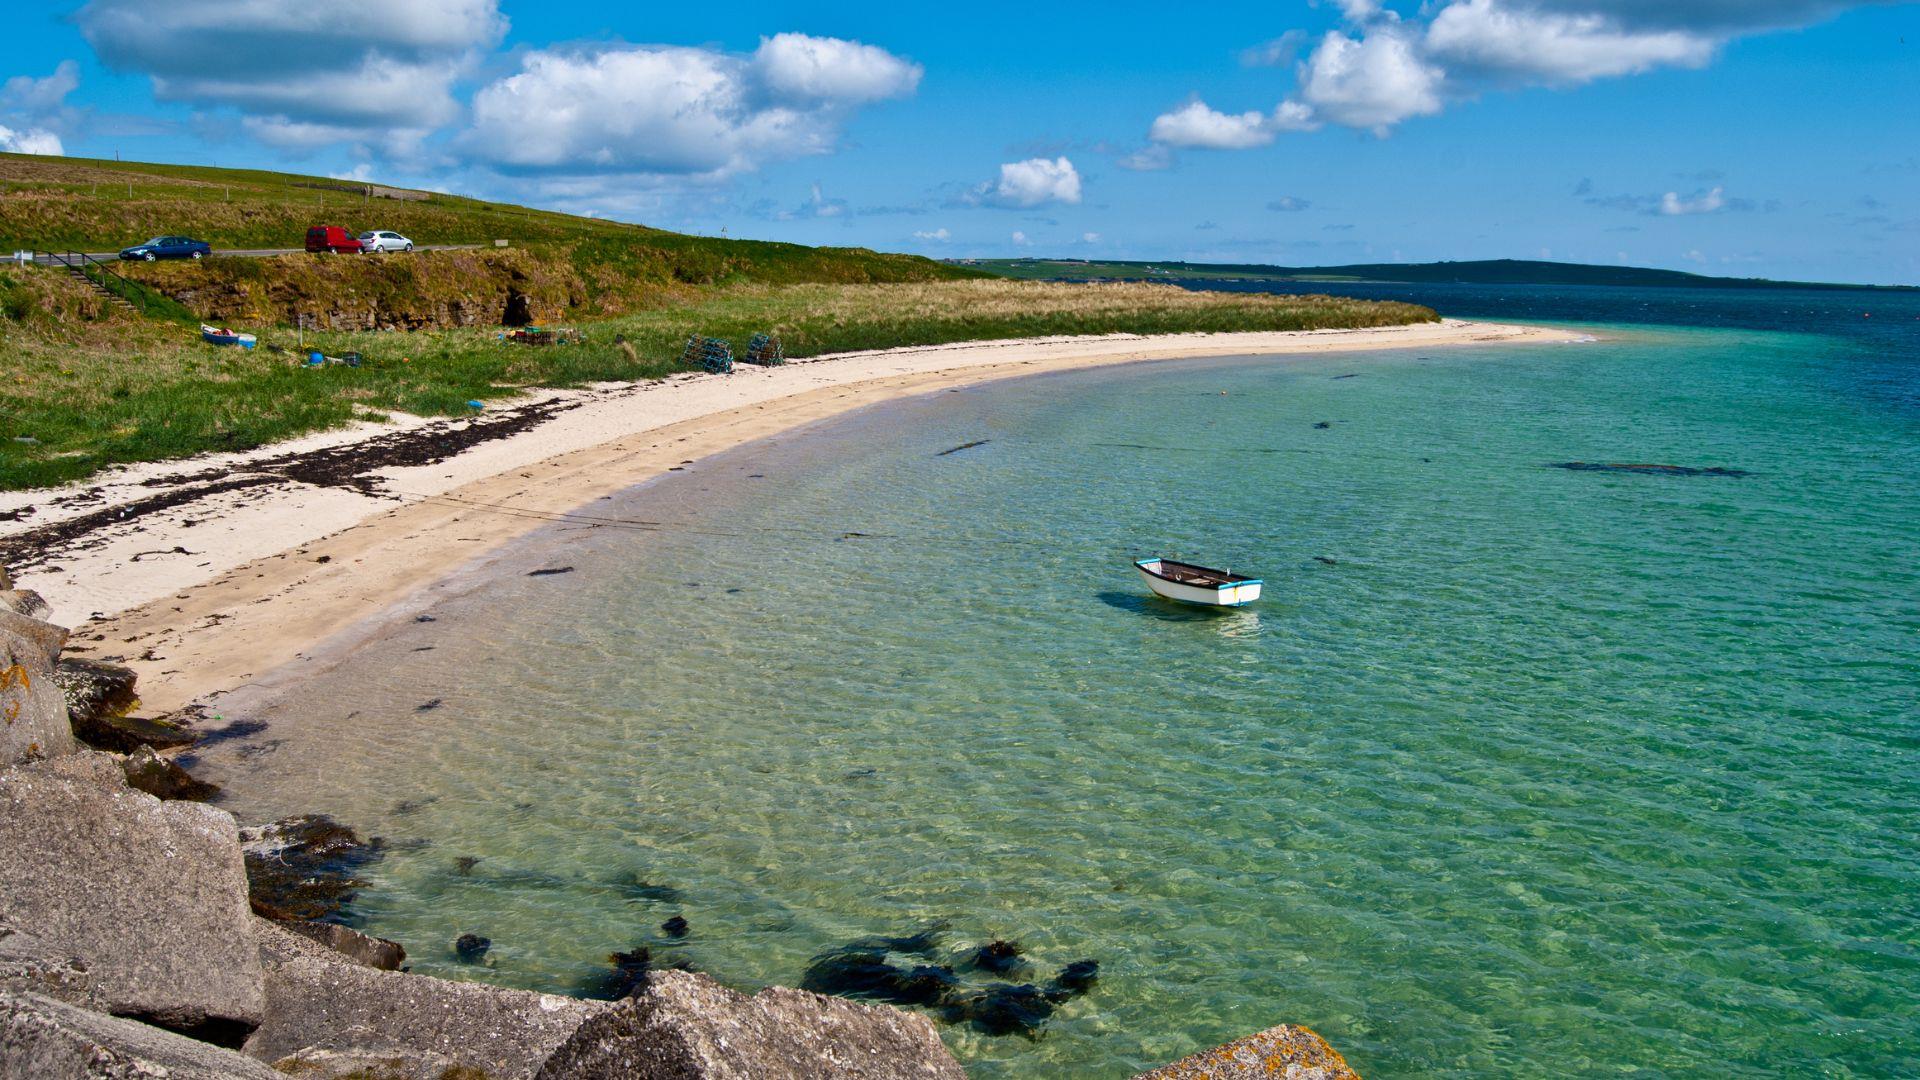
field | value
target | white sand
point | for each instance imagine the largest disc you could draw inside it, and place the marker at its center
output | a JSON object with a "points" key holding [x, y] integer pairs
{"points": [[268, 571]]}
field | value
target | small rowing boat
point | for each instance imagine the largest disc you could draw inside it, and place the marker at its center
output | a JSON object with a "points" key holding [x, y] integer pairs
{"points": [[1192, 584], [214, 335]]}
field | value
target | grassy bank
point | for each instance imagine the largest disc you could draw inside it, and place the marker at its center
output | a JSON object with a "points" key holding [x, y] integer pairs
{"points": [[93, 387]]}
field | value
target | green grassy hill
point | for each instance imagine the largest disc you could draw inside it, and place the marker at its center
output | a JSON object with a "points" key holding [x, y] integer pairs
{"points": [[1483, 272], [88, 205]]}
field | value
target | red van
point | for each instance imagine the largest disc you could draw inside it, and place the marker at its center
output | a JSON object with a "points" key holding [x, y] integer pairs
{"points": [[333, 238]]}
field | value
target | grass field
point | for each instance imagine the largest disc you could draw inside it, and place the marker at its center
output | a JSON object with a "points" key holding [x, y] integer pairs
{"points": [[93, 387]]}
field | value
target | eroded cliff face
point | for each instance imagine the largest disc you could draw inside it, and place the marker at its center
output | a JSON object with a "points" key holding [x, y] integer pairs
{"points": [[412, 291]]}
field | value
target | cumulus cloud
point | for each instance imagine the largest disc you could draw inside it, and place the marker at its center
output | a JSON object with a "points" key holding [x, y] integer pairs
{"points": [[935, 236], [1556, 48], [1373, 82], [1195, 125], [1287, 204], [1381, 69], [33, 111], [36, 141], [1030, 183], [676, 110], [1019, 238], [1198, 126], [361, 68], [799, 67]]}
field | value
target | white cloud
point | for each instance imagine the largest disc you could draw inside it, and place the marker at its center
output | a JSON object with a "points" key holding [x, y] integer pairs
{"points": [[1090, 238], [675, 110], [1287, 204], [1559, 49], [1195, 125], [1150, 158], [1700, 202], [796, 66], [1372, 82], [364, 67], [1019, 238], [1384, 69], [1030, 183], [26, 94], [33, 141], [937, 236]]}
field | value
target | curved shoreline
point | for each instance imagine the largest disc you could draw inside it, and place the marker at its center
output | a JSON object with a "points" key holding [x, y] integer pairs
{"points": [[198, 612]]}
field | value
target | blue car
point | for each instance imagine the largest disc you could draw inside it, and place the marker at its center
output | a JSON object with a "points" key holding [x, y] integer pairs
{"points": [[169, 247]]}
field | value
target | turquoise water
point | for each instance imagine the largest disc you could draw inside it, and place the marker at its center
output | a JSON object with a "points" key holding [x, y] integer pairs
{"points": [[1538, 773]]}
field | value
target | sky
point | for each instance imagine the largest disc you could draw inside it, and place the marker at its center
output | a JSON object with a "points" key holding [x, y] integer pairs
{"points": [[1770, 138]]}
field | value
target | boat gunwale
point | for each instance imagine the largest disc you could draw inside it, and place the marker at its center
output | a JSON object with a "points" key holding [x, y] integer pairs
{"points": [[1232, 581]]}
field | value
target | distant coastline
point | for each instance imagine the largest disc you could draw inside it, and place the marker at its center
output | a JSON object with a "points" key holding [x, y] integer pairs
{"points": [[1481, 272]]}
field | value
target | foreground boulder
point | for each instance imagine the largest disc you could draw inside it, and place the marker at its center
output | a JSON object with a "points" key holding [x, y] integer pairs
{"points": [[33, 714], [30, 964], [42, 641], [46, 1039], [1287, 1052], [25, 602], [325, 1010], [683, 1026], [363, 949], [151, 897]]}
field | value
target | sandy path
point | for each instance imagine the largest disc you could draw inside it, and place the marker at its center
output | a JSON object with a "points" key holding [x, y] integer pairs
{"points": [[201, 596]]}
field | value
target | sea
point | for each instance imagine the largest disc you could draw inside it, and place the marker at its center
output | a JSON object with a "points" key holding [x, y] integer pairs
{"points": [[1515, 770]]}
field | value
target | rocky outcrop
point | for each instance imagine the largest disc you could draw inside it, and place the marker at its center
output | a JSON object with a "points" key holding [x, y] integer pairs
{"points": [[1287, 1052], [30, 964], [318, 1001], [161, 778], [33, 713], [150, 896], [96, 691], [363, 949], [44, 1039], [683, 1026], [127, 734], [39, 641], [24, 602]]}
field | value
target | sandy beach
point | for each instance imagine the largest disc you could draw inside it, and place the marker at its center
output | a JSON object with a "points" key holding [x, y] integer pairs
{"points": [[202, 574]]}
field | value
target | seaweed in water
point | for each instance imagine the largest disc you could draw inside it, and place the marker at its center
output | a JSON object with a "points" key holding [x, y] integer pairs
{"points": [[999, 957], [550, 571], [675, 927], [470, 948], [1006, 1009], [304, 867], [1646, 469]]}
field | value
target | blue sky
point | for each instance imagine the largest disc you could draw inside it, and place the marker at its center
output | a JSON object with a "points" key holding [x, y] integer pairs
{"points": [[1771, 138]]}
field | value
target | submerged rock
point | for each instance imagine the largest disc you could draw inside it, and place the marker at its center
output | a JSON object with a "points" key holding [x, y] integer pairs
{"points": [[687, 1027], [675, 927], [304, 867], [1076, 978], [1288, 1051]]}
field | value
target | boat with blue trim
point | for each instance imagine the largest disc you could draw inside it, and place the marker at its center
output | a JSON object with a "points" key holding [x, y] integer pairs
{"points": [[1202, 585]]}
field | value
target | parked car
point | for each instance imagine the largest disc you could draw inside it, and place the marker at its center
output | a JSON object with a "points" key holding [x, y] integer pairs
{"points": [[169, 247], [383, 240], [333, 238]]}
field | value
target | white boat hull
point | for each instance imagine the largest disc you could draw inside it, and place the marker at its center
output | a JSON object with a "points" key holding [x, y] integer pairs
{"points": [[1238, 594]]}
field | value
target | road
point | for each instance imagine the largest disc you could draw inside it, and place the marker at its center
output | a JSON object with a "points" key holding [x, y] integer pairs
{"points": [[260, 253]]}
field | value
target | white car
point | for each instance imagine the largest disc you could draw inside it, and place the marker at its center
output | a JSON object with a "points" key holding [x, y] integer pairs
{"points": [[381, 240]]}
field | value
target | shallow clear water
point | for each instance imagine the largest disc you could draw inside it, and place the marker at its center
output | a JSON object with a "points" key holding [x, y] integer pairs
{"points": [[1539, 772]]}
